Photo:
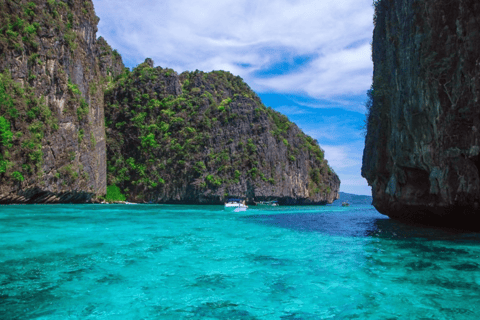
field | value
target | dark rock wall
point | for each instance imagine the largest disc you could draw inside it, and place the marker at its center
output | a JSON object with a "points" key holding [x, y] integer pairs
{"points": [[202, 137], [422, 146], [52, 73]]}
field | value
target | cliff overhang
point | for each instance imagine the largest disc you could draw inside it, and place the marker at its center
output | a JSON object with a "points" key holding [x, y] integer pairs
{"points": [[422, 145]]}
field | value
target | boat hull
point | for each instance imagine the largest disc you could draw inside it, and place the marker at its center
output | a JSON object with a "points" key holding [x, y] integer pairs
{"points": [[236, 207]]}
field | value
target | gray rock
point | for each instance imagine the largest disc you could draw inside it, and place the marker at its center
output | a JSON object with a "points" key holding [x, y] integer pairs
{"points": [[62, 53], [245, 150], [421, 152]]}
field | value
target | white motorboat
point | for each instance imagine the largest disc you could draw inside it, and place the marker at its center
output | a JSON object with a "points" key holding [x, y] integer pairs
{"points": [[235, 205]]}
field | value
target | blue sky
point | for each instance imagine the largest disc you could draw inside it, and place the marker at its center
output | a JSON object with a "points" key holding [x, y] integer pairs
{"points": [[309, 59]]}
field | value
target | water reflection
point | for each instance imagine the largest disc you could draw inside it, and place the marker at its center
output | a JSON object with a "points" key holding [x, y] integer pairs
{"points": [[349, 223], [362, 222], [397, 230]]}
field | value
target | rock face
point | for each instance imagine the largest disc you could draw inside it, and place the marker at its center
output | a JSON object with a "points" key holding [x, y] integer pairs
{"points": [[52, 146], [190, 138], [202, 137], [422, 151]]}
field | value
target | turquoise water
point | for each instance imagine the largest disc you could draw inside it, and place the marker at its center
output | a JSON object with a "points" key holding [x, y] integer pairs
{"points": [[200, 262]]}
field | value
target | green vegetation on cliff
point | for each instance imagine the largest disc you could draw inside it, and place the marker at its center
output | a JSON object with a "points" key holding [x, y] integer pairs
{"points": [[24, 121], [23, 21], [114, 194], [48, 60], [205, 132], [69, 109]]}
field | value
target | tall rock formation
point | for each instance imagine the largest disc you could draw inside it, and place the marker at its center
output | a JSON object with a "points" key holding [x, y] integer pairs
{"points": [[201, 137], [53, 74], [190, 138], [422, 150]]}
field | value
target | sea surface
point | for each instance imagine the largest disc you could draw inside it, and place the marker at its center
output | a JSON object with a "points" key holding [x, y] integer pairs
{"points": [[200, 262]]}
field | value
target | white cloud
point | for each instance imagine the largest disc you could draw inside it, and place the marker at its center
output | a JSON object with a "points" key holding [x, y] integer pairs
{"points": [[346, 160], [336, 128], [292, 110], [347, 71], [339, 157], [212, 35], [354, 183], [335, 102]]}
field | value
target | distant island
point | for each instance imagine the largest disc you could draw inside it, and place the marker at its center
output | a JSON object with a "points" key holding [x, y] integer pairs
{"points": [[77, 126], [353, 199]]}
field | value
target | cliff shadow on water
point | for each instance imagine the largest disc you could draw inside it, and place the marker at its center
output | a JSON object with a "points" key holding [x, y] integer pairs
{"points": [[362, 221], [422, 145]]}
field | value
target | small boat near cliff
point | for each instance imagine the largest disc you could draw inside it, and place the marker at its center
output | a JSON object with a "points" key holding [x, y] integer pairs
{"points": [[235, 205], [345, 204], [273, 203]]}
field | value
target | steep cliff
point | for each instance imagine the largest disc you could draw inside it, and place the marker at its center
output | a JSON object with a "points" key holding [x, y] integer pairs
{"points": [[53, 74], [190, 138], [422, 146], [201, 137]]}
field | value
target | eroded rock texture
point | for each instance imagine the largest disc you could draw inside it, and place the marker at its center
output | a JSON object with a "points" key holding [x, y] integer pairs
{"points": [[422, 146], [190, 138], [53, 74], [202, 137]]}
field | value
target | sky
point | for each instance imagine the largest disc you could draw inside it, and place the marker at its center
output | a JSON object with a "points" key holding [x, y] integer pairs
{"points": [[308, 59]]}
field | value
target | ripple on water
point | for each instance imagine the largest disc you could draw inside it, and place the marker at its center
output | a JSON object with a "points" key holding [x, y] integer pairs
{"points": [[213, 281], [195, 262], [468, 266], [421, 266], [221, 310]]}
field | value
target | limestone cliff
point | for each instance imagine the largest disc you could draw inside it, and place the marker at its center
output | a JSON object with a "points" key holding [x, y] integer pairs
{"points": [[190, 138], [201, 137], [53, 74], [423, 142]]}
